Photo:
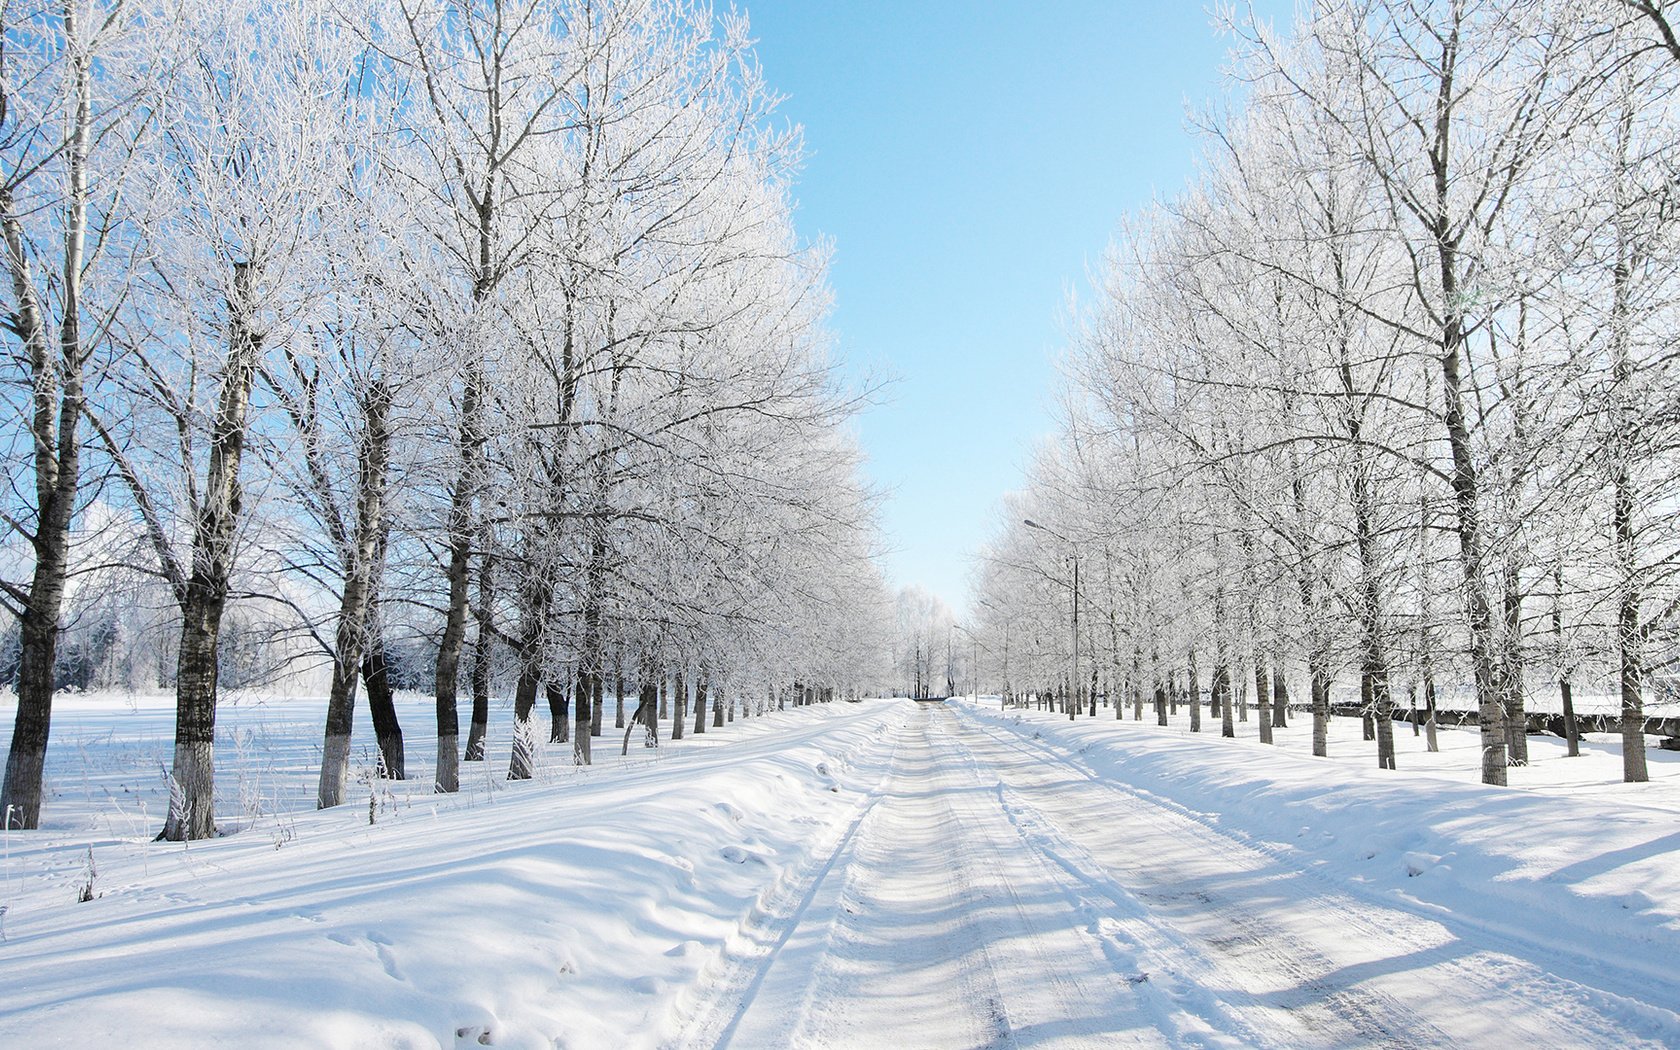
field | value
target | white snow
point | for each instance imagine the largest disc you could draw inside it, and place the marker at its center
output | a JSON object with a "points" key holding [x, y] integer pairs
{"points": [[866, 874]]}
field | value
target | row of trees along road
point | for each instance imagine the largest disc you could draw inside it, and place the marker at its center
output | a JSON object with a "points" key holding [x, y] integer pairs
{"points": [[1388, 391], [473, 328]]}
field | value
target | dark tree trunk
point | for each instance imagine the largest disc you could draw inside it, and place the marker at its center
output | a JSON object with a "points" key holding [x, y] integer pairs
{"points": [[383, 709], [522, 762], [54, 416], [1222, 698], [1263, 697], [26, 762], [700, 698], [57, 459], [679, 704], [483, 653], [1280, 696], [1630, 636], [583, 717], [558, 722], [469, 444], [1194, 699], [1571, 728]]}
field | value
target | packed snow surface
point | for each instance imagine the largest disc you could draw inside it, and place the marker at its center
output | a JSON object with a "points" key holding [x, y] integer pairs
{"points": [[853, 875]]}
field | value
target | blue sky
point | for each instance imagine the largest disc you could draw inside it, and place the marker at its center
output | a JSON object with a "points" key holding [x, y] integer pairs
{"points": [[970, 161]]}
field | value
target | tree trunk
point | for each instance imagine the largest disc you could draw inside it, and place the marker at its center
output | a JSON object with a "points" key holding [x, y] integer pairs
{"points": [[558, 721], [192, 791], [360, 555], [1516, 710], [56, 391], [1571, 728], [1320, 689], [483, 653], [56, 468], [1222, 665], [1280, 696], [1630, 635], [718, 705], [618, 695], [679, 704], [1263, 697], [383, 709], [1195, 698], [1222, 699], [1383, 712], [469, 443], [26, 761], [1429, 720], [340, 718], [522, 763], [700, 698], [583, 713]]}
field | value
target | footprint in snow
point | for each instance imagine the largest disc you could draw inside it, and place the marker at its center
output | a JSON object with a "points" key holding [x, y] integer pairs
{"points": [[738, 855], [380, 946]]}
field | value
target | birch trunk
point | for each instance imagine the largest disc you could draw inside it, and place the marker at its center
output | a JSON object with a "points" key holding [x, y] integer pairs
{"points": [[360, 556], [56, 392], [192, 789]]}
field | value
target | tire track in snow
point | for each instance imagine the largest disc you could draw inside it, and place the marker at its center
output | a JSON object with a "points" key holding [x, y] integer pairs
{"points": [[1158, 960], [928, 926], [898, 877], [765, 932], [1269, 920], [1312, 1011]]}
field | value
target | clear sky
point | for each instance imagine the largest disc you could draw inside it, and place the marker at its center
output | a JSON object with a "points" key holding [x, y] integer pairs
{"points": [[970, 161]]}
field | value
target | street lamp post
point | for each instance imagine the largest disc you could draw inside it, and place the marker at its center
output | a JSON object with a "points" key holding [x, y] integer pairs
{"points": [[1073, 551]]}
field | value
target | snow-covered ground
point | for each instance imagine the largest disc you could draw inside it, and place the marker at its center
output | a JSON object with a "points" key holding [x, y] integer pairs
{"points": [[868, 874]]}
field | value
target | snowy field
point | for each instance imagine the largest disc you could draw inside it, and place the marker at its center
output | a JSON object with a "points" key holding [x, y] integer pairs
{"points": [[847, 875]]}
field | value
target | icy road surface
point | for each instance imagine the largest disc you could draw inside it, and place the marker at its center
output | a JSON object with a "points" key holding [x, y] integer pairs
{"points": [[995, 892]]}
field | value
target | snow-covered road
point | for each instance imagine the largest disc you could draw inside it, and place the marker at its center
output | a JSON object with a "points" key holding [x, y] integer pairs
{"points": [[994, 891], [881, 874]]}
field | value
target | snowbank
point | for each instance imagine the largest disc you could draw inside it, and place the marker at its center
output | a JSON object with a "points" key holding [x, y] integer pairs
{"points": [[569, 911]]}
